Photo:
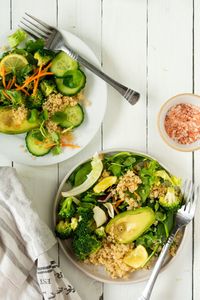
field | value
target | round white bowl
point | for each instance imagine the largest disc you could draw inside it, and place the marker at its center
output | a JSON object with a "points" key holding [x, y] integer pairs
{"points": [[181, 98], [98, 272]]}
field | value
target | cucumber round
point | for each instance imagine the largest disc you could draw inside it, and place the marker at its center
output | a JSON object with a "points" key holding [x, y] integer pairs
{"points": [[35, 145], [72, 116], [71, 83], [62, 63]]}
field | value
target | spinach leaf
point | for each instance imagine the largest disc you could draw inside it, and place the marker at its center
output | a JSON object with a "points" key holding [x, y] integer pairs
{"points": [[80, 174], [115, 169], [33, 46]]}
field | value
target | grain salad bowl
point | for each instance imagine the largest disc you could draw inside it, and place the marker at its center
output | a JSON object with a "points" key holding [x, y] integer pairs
{"points": [[98, 272]]}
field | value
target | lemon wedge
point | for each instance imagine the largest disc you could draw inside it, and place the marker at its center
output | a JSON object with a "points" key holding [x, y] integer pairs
{"points": [[13, 62], [104, 184], [93, 176], [137, 257]]}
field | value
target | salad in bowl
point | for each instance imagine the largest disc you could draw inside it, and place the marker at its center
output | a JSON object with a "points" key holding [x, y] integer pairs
{"points": [[115, 211], [40, 95]]}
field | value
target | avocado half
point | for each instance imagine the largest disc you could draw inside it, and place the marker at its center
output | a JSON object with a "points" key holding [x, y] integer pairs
{"points": [[129, 225], [9, 125]]}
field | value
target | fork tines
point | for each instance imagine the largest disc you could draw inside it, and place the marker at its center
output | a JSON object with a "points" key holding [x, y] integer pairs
{"points": [[35, 27]]}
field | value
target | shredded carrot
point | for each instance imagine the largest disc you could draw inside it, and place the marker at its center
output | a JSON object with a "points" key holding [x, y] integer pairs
{"points": [[34, 78], [118, 202], [5, 94], [3, 74], [13, 81], [115, 209], [70, 145], [47, 67], [9, 84], [36, 82], [23, 90], [50, 145]]}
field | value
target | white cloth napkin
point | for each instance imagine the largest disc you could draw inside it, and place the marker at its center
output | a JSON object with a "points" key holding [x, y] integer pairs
{"points": [[26, 270]]}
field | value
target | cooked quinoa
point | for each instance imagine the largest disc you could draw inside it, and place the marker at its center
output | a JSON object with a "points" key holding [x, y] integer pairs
{"points": [[128, 183], [158, 190], [111, 256], [57, 102], [52, 126], [19, 114]]}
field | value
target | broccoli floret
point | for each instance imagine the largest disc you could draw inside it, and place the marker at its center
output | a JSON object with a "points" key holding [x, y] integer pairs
{"points": [[100, 232], [84, 245], [15, 97], [16, 38], [85, 212], [43, 56], [172, 199], [35, 101], [67, 209], [48, 87], [33, 46], [85, 242], [64, 229]]}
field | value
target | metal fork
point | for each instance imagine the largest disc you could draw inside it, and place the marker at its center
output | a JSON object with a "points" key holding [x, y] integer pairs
{"points": [[183, 217], [55, 41]]}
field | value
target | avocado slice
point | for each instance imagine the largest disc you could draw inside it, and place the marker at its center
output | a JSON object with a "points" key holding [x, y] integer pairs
{"points": [[9, 125], [129, 225]]}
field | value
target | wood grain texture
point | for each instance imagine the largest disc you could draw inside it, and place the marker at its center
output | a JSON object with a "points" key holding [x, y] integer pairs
{"points": [[41, 183], [153, 47], [170, 73], [196, 83], [83, 18], [5, 27]]}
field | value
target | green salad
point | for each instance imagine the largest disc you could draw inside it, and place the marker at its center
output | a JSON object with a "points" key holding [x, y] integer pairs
{"points": [[119, 211], [40, 95]]}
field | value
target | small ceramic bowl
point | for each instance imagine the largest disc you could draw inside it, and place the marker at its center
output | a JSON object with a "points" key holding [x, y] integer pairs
{"points": [[181, 98]]}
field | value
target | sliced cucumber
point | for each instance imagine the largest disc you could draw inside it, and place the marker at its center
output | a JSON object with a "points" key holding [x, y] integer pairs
{"points": [[62, 63], [36, 144], [71, 83], [72, 116]]}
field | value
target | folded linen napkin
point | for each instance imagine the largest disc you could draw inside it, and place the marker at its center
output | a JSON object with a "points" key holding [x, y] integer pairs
{"points": [[26, 270]]}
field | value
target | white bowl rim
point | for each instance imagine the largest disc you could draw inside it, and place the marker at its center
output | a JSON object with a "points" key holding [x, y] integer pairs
{"points": [[111, 281], [190, 148]]}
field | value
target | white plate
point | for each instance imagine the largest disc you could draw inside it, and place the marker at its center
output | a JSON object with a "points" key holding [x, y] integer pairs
{"points": [[98, 272], [13, 146]]}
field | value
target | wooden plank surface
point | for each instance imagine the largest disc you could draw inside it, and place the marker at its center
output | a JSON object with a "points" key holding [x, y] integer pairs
{"points": [[149, 46], [170, 73], [5, 27], [83, 18], [196, 89], [41, 183]]}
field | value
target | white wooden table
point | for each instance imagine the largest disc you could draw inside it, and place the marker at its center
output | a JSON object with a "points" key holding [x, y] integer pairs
{"points": [[152, 46]]}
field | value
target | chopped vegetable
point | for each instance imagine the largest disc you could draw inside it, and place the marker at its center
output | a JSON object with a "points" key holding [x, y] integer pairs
{"points": [[99, 216], [16, 38], [48, 87], [92, 177], [137, 257], [171, 200], [104, 184], [43, 56], [67, 209], [64, 229]]}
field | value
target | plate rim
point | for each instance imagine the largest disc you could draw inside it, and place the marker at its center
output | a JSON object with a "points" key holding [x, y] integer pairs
{"points": [[111, 281]]}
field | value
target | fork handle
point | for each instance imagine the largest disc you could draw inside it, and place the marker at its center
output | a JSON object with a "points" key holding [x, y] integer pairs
{"points": [[130, 95], [150, 284]]}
